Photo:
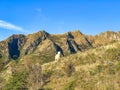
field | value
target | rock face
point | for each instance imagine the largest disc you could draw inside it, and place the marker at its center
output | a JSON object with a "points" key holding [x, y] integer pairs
{"points": [[71, 43], [32, 41], [15, 44], [43, 43], [104, 38], [13, 49]]}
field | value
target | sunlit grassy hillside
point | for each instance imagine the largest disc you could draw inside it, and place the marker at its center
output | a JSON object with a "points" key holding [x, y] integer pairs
{"points": [[94, 69]]}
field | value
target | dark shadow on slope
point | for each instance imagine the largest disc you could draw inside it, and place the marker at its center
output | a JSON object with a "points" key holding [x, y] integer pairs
{"points": [[13, 49], [70, 47], [89, 42], [58, 48]]}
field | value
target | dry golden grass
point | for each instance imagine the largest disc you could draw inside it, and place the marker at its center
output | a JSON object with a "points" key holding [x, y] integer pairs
{"points": [[94, 69]]}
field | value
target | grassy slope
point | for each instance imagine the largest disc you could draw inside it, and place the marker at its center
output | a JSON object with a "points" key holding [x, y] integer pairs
{"points": [[94, 69]]}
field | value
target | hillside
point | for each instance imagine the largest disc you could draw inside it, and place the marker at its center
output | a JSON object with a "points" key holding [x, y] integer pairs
{"points": [[88, 62], [95, 69]]}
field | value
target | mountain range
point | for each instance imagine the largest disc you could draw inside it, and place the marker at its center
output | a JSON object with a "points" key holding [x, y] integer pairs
{"points": [[43, 43], [19, 53]]}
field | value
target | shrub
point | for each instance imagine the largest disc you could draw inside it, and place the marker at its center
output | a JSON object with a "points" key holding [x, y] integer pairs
{"points": [[34, 76], [1, 66], [69, 86], [45, 75], [16, 82], [69, 68], [118, 66]]}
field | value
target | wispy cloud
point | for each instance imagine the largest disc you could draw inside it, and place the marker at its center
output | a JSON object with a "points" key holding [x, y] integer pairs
{"points": [[38, 9], [10, 26]]}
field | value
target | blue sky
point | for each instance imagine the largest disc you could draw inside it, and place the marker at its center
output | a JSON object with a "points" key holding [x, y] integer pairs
{"points": [[58, 16]]}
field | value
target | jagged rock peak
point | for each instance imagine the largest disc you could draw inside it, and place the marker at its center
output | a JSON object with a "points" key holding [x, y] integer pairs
{"points": [[69, 35], [43, 32], [16, 36], [76, 32], [109, 34], [73, 33]]}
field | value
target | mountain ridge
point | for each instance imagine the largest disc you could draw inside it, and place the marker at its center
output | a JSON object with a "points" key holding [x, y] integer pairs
{"points": [[88, 62], [19, 45]]}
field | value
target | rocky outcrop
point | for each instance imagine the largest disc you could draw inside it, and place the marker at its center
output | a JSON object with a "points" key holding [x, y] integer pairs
{"points": [[82, 41], [33, 40], [105, 38], [13, 49], [15, 44], [71, 44]]}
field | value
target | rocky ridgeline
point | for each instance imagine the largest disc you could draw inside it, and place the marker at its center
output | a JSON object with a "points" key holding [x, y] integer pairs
{"points": [[49, 44]]}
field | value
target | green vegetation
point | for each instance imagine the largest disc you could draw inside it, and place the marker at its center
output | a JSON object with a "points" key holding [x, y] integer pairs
{"points": [[69, 68], [17, 81]]}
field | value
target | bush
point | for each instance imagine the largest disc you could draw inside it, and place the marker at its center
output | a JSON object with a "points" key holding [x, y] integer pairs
{"points": [[16, 82], [69, 68], [34, 76], [118, 66], [1, 66], [69, 86]]}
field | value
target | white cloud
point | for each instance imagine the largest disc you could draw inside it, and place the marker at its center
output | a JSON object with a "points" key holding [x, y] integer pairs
{"points": [[10, 26]]}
